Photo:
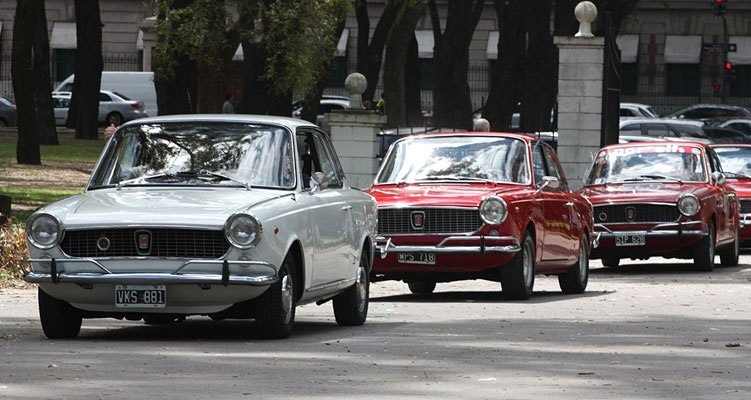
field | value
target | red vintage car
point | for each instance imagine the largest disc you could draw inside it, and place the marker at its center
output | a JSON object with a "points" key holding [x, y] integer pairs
{"points": [[667, 199], [471, 205], [736, 164]]}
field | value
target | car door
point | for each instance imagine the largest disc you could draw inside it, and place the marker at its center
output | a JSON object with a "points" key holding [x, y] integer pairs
{"points": [[560, 238], [328, 211], [105, 106], [726, 200]]}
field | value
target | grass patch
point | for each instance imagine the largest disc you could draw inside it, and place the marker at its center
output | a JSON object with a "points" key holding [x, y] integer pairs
{"points": [[69, 149]]}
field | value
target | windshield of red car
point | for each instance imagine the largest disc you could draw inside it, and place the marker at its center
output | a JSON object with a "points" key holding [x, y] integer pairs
{"points": [[198, 153], [659, 162], [736, 161], [457, 158]]}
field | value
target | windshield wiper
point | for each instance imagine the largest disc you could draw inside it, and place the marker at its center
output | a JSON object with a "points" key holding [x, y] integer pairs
{"points": [[213, 176], [652, 176]]}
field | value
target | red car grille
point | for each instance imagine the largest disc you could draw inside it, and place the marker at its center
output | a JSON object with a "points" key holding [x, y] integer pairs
{"points": [[745, 206], [181, 243], [394, 221], [620, 213]]}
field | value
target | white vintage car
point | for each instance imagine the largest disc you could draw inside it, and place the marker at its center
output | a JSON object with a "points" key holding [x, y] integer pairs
{"points": [[226, 216]]}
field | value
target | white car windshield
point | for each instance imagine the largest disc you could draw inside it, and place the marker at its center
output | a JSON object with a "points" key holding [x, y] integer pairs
{"points": [[736, 161], [457, 158], [661, 162], [234, 154]]}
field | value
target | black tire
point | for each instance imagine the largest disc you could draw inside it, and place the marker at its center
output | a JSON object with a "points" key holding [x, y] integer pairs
{"points": [[59, 319], [114, 118], [518, 277], [574, 281], [730, 255], [610, 261], [351, 306], [421, 287], [705, 251], [275, 308]]}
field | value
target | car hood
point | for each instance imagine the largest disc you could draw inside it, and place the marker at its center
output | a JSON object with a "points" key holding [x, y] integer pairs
{"points": [[742, 186], [155, 206], [445, 195], [643, 192]]}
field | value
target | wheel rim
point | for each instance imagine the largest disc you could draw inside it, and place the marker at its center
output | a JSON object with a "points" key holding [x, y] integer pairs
{"points": [[583, 261], [527, 263], [287, 293], [362, 289]]}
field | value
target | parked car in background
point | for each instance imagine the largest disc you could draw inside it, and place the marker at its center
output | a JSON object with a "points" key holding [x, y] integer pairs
{"points": [[637, 110], [114, 108], [230, 216], [662, 128], [133, 84], [739, 124], [725, 135], [736, 164], [328, 103], [709, 111], [666, 199], [8, 112], [479, 205]]}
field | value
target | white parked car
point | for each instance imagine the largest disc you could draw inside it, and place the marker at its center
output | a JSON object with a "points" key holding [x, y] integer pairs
{"points": [[637, 110], [235, 216], [114, 108]]}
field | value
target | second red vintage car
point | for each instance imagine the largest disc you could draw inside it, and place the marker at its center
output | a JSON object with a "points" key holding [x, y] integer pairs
{"points": [[493, 206], [667, 199], [736, 164]]}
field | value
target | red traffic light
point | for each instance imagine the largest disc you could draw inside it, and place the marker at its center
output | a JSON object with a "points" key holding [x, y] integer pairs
{"points": [[728, 66]]}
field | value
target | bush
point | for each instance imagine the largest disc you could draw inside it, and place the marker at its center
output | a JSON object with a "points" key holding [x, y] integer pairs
{"points": [[12, 252]]}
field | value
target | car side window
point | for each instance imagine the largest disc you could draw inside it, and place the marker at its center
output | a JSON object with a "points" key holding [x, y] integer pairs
{"points": [[554, 168], [538, 164], [714, 161], [632, 128], [104, 97], [658, 130], [315, 156]]}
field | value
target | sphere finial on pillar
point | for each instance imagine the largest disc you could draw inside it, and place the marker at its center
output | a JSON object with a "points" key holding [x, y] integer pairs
{"points": [[356, 83], [586, 13]]}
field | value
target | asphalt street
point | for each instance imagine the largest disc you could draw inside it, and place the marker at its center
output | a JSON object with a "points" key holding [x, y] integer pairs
{"points": [[647, 330]]}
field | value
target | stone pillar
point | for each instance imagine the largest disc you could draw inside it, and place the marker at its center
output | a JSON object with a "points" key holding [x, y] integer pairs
{"points": [[580, 83], [354, 134], [148, 27]]}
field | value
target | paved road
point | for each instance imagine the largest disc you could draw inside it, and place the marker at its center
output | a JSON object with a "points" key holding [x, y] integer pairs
{"points": [[642, 331]]}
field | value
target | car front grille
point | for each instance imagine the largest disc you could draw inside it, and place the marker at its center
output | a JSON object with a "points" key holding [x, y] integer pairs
{"points": [[619, 213], [163, 242], [394, 221], [745, 206]]}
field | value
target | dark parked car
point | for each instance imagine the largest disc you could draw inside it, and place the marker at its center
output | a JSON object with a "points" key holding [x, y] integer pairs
{"points": [[708, 111], [725, 135], [7, 112]]}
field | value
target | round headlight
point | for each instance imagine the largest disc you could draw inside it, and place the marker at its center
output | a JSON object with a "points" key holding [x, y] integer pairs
{"points": [[493, 210], [689, 205], [44, 231], [243, 231]]}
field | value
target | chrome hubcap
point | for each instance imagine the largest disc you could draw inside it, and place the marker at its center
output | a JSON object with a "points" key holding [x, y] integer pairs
{"points": [[287, 293], [362, 289]]}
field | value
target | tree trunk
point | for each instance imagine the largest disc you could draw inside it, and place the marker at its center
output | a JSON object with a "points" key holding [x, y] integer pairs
{"points": [[503, 97], [412, 88], [177, 94], [394, 77], [369, 57], [84, 103], [41, 72], [27, 147], [541, 74], [453, 103]]}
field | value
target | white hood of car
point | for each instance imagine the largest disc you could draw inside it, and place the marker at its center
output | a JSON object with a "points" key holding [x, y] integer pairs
{"points": [[162, 206]]}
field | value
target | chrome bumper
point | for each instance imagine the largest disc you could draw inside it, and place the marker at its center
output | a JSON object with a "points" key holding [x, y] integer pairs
{"points": [[57, 274], [744, 221], [485, 244], [693, 228]]}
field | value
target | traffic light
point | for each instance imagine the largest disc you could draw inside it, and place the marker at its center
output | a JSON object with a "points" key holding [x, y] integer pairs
{"points": [[719, 6], [729, 70]]}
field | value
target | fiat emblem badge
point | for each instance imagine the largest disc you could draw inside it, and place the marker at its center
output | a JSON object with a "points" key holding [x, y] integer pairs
{"points": [[418, 219]]}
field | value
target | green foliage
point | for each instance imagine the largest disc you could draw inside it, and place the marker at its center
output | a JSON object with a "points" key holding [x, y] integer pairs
{"points": [[12, 252]]}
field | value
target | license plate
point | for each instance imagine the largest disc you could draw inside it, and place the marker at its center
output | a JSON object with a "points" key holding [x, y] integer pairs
{"points": [[630, 240], [143, 296], [417, 258]]}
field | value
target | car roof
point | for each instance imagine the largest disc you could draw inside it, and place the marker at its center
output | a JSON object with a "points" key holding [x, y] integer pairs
{"points": [[653, 143], [288, 122], [635, 105], [514, 135], [631, 121]]}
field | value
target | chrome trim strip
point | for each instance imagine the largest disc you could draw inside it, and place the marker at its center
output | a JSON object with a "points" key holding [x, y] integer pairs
{"points": [[174, 277], [445, 247], [666, 229]]}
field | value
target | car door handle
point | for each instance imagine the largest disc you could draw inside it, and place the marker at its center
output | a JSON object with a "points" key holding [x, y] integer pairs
{"points": [[346, 208]]}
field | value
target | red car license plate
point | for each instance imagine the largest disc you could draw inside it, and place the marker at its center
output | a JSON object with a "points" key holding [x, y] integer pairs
{"points": [[417, 258], [630, 240]]}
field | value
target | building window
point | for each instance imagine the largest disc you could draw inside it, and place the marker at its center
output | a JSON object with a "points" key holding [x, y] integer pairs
{"points": [[338, 72], [629, 79], [682, 79], [741, 85]]}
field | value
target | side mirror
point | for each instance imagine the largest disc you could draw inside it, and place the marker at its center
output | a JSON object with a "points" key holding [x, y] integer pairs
{"points": [[718, 178], [550, 181]]}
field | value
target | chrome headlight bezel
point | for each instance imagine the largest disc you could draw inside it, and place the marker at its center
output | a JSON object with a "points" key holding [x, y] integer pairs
{"points": [[44, 231], [243, 231], [689, 205], [493, 210]]}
